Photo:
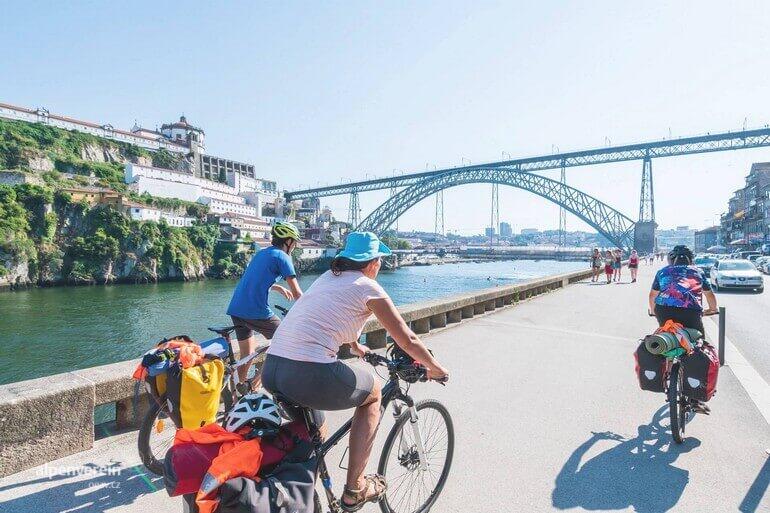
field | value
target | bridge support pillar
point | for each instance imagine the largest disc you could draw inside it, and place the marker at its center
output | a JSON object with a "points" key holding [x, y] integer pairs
{"points": [[644, 231]]}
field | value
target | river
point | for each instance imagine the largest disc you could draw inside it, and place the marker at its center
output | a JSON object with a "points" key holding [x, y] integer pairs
{"points": [[47, 331]]}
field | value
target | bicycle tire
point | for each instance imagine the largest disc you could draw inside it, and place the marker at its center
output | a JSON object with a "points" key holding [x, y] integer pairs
{"points": [[401, 422], [677, 411], [150, 460]]}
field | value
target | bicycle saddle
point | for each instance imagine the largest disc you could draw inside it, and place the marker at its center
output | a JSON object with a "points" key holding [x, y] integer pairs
{"points": [[288, 409], [222, 330]]}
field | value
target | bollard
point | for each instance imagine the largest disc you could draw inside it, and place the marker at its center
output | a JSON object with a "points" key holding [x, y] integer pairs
{"points": [[722, 315]]}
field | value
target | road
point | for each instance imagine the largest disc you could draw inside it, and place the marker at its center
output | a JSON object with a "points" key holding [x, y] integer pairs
{"points": [[548, 417], [748, 325]]}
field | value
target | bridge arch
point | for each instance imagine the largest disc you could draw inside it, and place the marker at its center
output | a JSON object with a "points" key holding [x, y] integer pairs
{"points": [[615, 226]]}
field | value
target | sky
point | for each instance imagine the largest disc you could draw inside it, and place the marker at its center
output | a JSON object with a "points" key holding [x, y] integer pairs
{"points": [[318, 93]]}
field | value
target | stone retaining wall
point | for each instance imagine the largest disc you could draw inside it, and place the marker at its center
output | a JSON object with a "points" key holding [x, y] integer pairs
{"points": [[47, 418]]}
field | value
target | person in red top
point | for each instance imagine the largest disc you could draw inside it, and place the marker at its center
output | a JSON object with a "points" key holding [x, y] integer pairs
{"points": [[633, 265]]}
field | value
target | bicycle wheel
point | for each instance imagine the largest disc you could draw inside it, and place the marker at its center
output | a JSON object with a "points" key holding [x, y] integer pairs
{"points": [[156, 434], [410, 488], [677, 404]]}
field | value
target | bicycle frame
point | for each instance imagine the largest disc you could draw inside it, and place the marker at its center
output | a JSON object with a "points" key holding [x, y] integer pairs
{"points": [[391, 392]]}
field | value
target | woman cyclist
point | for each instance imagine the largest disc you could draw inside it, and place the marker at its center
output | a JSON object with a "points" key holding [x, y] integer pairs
{"points": [[302, 362], [676, 294]]}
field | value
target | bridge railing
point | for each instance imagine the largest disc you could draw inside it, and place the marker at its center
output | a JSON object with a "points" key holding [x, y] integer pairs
{"points": [[47, 418]]}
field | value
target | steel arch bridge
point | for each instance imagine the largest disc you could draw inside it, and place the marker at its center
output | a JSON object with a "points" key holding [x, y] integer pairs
{"points": [[615, 226]]}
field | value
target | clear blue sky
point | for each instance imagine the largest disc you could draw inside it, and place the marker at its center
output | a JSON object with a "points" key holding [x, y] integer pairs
{"points": [[323, 91]]}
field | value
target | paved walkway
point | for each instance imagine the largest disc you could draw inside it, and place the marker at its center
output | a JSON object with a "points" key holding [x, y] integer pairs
{"points": [[547, 414]]}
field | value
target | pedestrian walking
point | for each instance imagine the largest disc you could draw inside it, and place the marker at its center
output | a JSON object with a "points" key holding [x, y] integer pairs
{"points": [[617, 264], [596, 265], [633, 265], [609, 260]]}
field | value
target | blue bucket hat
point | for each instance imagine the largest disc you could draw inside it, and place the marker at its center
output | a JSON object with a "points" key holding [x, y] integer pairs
{"points": [[363, 246]]}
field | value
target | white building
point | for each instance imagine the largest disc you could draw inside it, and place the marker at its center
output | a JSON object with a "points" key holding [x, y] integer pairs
{"points": [[140, 212], [218, 206], [311, 250], [255, 227]]}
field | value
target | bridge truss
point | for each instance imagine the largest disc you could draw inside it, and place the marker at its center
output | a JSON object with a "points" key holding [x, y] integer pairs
{"points": [[615, 226], [743, 139]]}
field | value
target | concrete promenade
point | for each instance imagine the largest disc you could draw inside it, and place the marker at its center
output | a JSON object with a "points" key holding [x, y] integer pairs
{"points": [[548, 416]]}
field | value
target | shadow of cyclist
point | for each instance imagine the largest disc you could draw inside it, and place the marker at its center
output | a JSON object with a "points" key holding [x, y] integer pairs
{"points": [[636, 472]]}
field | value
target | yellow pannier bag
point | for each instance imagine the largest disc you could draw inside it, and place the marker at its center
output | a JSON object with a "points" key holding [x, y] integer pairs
{"points": [[192, 394]]}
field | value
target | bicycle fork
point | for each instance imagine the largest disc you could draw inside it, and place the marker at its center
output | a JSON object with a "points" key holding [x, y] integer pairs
{"points": [[417, 438]]}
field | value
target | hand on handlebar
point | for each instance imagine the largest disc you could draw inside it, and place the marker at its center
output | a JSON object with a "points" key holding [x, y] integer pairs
{"points": [[358, 349], [439, 374]]}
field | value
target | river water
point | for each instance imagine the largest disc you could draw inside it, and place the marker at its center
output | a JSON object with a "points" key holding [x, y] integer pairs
{"points": [[47, 331]]}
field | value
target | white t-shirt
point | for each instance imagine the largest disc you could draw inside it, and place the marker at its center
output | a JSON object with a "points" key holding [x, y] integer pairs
{"points": [[332, 312]]}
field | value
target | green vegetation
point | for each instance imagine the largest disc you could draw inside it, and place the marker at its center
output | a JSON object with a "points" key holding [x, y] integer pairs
{"points": [[70, 151], [393, 242]]}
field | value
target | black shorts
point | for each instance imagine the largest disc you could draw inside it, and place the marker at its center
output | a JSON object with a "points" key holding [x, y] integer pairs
{"points": [[244, 328], [687, 317], [320, 386]]}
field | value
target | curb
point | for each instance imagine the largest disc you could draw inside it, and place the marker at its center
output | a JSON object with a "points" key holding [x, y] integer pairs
{"points": [[756, 387]]}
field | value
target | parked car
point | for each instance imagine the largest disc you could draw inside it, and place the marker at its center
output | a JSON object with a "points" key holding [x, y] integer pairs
{"points": [[761, 264], [748, 254], [705, 263], [739, 274]]}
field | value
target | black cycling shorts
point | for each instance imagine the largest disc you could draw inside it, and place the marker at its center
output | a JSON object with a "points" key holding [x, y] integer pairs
{"points": [[687, 317]]}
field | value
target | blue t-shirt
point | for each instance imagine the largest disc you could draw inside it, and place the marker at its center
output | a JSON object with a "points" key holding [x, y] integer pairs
{"points": [[680, 286], [250, 296]]}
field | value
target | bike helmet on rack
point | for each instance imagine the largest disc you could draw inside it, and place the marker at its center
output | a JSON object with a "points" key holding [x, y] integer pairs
{"points": [[256, 410], [680, 255]]}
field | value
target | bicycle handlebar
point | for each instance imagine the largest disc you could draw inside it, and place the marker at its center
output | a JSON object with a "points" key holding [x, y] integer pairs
{"points": [[281, 309], [408, 371]]}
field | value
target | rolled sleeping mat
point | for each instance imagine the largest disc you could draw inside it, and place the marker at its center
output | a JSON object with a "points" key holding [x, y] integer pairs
{"points": [[660, 343]]}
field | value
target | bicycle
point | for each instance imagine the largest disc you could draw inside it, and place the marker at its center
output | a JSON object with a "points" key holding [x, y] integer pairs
{"points": [[418, 454], [156, 432], [680, 406]]}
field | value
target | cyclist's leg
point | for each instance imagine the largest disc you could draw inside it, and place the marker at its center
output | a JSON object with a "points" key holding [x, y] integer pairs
{"points": [[247, 342], [687, 317]]}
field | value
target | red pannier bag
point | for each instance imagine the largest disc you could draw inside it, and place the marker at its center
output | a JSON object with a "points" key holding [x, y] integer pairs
{"points": [[186, 463], [701, 371], [650, 369]]}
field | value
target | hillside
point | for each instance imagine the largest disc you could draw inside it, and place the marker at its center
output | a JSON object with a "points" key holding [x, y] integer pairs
{"points": [[46, 238]]}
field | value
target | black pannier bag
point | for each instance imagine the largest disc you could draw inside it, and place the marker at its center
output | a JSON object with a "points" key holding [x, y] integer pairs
{"points": [[650, 369]]}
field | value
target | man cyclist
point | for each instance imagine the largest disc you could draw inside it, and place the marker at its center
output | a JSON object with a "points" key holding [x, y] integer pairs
{"points": [[676, 294], [249, 307]]}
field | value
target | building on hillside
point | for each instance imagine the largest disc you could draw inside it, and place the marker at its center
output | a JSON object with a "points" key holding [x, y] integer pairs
{"points": [[505, 229], [747, 220], [706, 238], [94, 195], [139, 212], [242, 225], [311, 250], [681, 235], [183, 132]]}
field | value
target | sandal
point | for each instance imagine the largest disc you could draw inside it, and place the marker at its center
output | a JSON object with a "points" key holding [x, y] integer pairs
{"points": [[373, 490]]}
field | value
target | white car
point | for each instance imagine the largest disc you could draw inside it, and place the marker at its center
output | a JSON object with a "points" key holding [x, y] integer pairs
{"points": [[736, 274]]}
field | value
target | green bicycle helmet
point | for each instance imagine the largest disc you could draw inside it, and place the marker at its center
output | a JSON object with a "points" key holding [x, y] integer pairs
{"points": [[284, 230]]}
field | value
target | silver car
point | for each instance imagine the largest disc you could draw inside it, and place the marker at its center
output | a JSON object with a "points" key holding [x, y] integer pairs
{"points": [[738, 274]]}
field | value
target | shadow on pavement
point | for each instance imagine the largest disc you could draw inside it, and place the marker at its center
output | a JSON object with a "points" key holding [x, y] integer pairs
{"points": [[89, 488], [753, 497], [637, 472]]}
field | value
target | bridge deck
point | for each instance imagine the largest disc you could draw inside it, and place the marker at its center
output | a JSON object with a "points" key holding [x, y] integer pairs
{"points": [[531, 385]]}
